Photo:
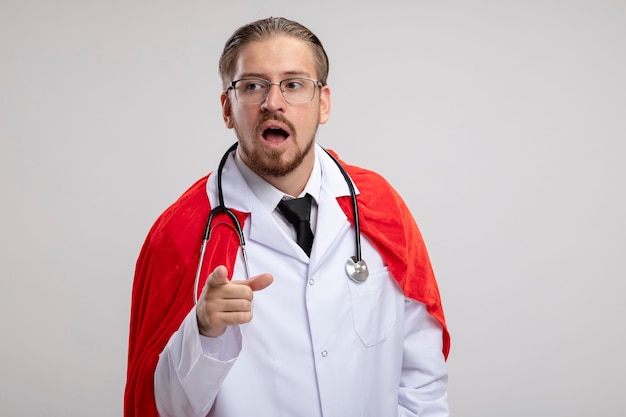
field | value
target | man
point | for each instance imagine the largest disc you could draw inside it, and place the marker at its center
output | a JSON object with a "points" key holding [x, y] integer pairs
{"points": [[300, 335]]}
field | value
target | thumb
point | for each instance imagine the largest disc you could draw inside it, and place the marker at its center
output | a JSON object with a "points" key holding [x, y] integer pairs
{"points": [[260, 281]]}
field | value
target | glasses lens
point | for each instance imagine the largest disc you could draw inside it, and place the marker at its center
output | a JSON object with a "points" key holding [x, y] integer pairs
{"points": [[298, 90], [251, 91]]}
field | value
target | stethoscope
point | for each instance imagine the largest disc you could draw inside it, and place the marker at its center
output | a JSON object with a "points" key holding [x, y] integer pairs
{"points": [[356, 268]]}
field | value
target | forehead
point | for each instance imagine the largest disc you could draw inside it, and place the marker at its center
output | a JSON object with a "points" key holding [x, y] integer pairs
{"points": [[275, 57]]}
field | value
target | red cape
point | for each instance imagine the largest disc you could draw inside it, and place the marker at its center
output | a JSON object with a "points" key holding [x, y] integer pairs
{"points": [[164, 277]]}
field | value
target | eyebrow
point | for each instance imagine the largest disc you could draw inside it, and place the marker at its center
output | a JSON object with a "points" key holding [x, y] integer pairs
{"points": [[288, 74]]}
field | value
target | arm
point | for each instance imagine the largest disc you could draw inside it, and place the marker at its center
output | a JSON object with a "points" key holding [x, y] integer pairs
{"points": [[424, 378], [163, 287], [199, 355], [191, 369]]}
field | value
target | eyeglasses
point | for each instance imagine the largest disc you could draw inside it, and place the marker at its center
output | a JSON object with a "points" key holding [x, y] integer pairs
{"points": [[255, 90]]}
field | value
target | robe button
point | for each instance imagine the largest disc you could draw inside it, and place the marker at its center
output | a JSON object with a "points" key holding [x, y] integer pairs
{"points": [[324, 353], [311, 281]]}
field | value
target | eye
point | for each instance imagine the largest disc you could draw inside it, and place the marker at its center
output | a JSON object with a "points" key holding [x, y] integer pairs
{"points": [[293, 84], [251, 86]]}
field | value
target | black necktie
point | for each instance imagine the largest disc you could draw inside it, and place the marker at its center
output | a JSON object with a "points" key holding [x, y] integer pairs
{"points": [[298, 212]]}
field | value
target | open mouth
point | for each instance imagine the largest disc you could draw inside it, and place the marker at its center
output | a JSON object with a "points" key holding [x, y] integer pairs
{"points": [[275, 134]]}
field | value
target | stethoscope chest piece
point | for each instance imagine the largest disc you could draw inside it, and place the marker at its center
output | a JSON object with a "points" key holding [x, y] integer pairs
{"points": [[357, 269]]}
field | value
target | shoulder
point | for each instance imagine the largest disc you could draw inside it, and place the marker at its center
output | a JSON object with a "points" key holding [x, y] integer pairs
{"points": [[191, 201], [183, 220], [372, 186]]}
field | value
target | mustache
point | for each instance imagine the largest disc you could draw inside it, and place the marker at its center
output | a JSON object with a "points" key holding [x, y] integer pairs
{"points": [[277, 117]]}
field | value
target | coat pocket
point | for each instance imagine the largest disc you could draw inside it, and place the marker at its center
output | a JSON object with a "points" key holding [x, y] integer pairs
{"points": [[373, 307]]}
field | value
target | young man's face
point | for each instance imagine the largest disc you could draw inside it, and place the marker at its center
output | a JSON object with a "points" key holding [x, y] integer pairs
{"points": [[275, 137]]}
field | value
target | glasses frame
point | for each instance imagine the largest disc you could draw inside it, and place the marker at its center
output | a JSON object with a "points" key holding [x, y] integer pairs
{"points": [[268, 86]]}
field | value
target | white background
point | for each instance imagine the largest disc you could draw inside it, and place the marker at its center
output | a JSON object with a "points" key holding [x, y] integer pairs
{"points": [[502, 123]]}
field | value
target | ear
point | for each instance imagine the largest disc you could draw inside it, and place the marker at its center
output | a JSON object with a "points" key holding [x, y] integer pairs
{"points": [[227, 111], [324, 104]]}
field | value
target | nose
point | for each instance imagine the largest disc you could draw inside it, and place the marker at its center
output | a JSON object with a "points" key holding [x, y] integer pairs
{"points": [[274, 100]]}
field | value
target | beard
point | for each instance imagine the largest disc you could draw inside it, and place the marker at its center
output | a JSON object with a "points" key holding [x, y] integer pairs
{"points": [[271, 162]]}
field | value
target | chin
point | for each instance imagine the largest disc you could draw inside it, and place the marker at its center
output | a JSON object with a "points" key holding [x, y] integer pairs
{"points": [[276, 165]]}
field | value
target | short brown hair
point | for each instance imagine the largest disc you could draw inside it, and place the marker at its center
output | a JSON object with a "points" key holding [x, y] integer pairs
{"points": [[264, 29]]}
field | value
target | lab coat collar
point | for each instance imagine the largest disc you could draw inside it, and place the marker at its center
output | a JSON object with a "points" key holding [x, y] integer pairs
{"points": [[331, 219]]}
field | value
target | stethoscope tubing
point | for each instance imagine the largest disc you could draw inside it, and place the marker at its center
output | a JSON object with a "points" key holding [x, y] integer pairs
{"points": [[355, 207], [355, 267]]}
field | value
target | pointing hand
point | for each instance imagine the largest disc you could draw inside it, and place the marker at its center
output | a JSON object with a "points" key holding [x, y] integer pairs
{"points": [[224, 303]]}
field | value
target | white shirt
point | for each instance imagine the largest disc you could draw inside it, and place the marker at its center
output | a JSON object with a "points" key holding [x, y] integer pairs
{"points": [[319, 344], [270, 196]]}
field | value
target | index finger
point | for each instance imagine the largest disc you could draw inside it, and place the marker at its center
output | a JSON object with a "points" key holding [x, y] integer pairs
{"points": [[218, 277]]}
